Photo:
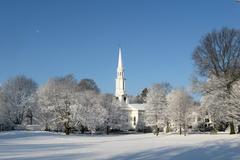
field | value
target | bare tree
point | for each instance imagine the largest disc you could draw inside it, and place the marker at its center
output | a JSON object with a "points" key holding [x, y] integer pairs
{"points": [[218, 57], [88, 85], [218, 54]]}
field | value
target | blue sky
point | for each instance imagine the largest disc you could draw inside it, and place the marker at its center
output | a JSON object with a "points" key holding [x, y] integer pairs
{"points": [[43, 39]]}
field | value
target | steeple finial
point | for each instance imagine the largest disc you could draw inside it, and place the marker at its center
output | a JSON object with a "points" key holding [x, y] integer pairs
{"points": [[120, 65]]}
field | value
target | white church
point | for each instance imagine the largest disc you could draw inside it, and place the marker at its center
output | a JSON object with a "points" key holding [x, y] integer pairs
{"points": [[135, 111]]}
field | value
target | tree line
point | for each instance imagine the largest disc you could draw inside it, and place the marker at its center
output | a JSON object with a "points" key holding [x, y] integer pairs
{"points": [[216, 78], [63, 104]]}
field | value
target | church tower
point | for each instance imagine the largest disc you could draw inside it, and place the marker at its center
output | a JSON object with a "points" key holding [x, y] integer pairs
{"points": [[120, 80]]}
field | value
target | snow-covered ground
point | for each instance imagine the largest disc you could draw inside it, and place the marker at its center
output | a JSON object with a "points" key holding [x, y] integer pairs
{"points": [[26, 145]]}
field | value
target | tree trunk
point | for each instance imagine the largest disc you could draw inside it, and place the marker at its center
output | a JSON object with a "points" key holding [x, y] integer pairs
{"points": [[108, 127], [185, 130], [168, 128], [67, 128], [232, 129], [180, 131], [46, 127], [67, 131], [31, 120], [158, 129], [82, 129]]}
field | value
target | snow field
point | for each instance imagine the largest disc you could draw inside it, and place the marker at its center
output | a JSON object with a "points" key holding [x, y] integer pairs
{"points": [[36, 145]]}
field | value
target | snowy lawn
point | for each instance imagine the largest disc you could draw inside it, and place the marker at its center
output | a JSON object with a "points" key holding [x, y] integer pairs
{"points": [[26, 145]]}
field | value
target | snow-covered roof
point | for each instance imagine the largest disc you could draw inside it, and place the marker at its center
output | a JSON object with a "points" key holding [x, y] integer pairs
{"points": [[137, 106]]}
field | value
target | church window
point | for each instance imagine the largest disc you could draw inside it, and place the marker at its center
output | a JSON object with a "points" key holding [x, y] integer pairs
{"points": [[134, 121]]}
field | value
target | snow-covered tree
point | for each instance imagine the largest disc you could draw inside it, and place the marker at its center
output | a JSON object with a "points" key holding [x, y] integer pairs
{"points": [[234, 104], [219, 102], [156, 107], [55, 99], [19, 96], [235, 101], [46, 105], [88, 110], [5, 122], [218, 55], [115, 115], [216, 106], [179, 108], [64, 106]]}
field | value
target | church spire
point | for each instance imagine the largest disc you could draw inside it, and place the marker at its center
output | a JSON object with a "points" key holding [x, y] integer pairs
{"points": [[120, 65], [120, 80]]}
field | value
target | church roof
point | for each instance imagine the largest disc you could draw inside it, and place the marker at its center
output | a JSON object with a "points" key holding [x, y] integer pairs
{"points": [[137, 106]]}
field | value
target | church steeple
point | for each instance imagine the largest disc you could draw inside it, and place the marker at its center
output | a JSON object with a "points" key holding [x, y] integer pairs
{"points": [[120, 65], [120, 80]]}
